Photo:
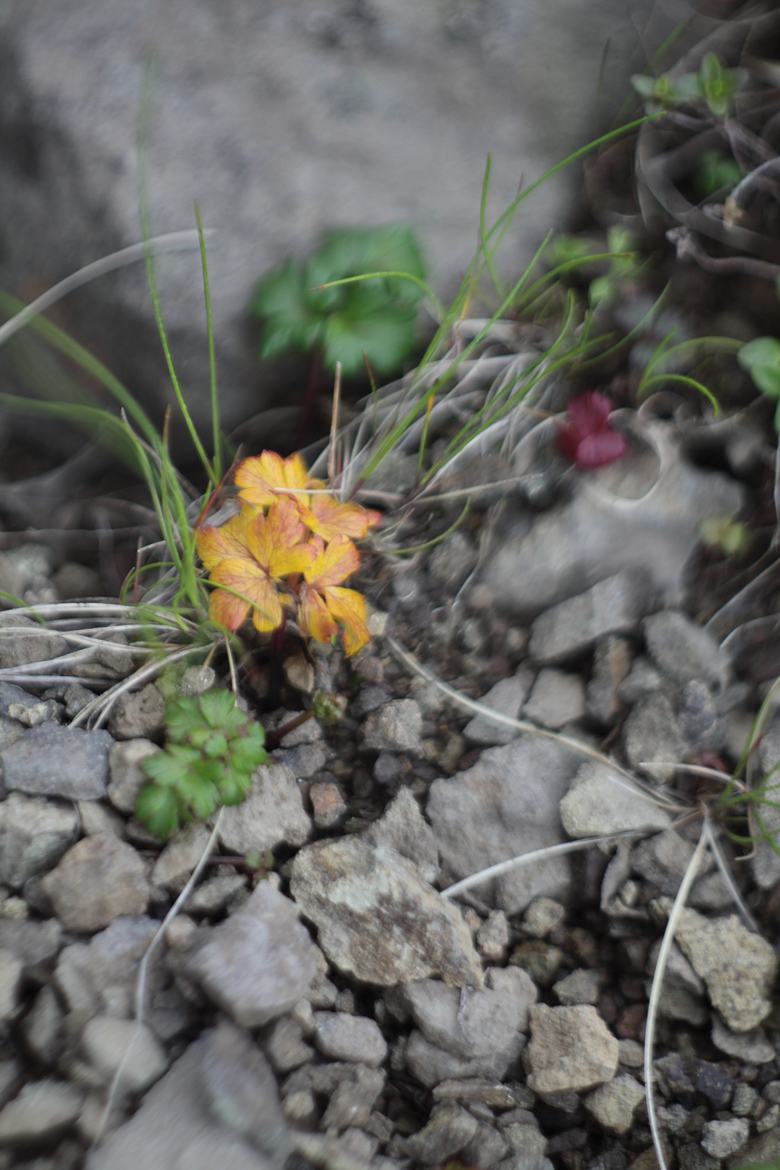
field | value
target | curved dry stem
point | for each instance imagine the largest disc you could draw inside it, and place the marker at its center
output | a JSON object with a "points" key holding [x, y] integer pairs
{"points": [[655, 990], [185, 241], [502, 867]]}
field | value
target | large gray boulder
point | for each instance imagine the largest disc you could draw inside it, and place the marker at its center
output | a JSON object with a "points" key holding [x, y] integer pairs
{"points": [[282, 118]]}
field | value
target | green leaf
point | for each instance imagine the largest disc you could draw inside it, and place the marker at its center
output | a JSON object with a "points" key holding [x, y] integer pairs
{"points": [[716, 171], [158, 809], [761, 359], [387, 338], [718, 85], [168, 768], [220, 711], [215, 745], [181, 717], [246, 755], [234, 787]]}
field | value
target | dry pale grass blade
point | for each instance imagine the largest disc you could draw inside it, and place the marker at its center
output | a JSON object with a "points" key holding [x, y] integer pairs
{"points": [[725, 871], [655, 990], [104, 703], [140, 990], [502, 867], [521, 725], [186, 241]]}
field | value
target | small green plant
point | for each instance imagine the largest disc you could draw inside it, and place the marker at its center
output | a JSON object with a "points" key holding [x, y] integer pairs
{"points": [[716, 172], [725, 534], [211, 753], [300, 308], [714, 84], [761, 359]]}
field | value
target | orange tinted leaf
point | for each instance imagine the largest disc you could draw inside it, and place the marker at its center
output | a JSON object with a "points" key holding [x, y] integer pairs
{"points": [[263, 477], [229, 540], [227, 610], [313, 616], [249, 579], [349, 608], [274, 540], [328, 518], [333, 563]]}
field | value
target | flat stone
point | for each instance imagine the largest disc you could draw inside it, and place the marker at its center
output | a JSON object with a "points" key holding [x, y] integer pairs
{"points": [[179, 857], [542, 916], [431, 1065], [343, 1037], [517, 983], [653, 740], [751, 1047], [327, 803], [611, 666], [570, 1048], [285, 1046], [507, 698], [377, 918], [126, 777], [723, 1138], [108, 1043], [353, 1099], [259, 962], [96, 881], [557, 698], [403, 827], [469, 1023], [492, 938], [241, 1091], [612, 606], [738, 967], [542, 560], [137, 714], [664, 858], [449, 1129], [272, 814], [510, 801], [42, 1111], [88, 976], [24, 641], [58, 761], [177, 1124], [683, 650], [601, 801], [34, 834], [613, 1105], [395, 727], [580, 986], [11, 972], [217, 893], [36, 944]]}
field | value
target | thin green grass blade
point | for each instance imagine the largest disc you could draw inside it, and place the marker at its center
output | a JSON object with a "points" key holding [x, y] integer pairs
{"points": [[213, 391], [482, 228]]}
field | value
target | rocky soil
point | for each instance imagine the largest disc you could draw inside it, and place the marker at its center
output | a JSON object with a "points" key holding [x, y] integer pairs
{"points": [[336, 1009]]}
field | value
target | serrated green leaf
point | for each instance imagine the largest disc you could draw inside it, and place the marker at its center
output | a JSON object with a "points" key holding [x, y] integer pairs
{"points": [[761, 359], [234, 787], [167, 768], [158, 809], [219, 708], [246, 755], [215, 745], [181, 717], [387, 338]]}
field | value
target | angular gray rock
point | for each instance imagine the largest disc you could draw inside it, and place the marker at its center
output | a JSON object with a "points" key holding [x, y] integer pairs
{"points": [[517, 983], [89, 976], [343, 1037], [96, 881], [313, 115], [507, 698], [403, 827], [107, 1043], [612, 606], [179, 857], [58, 761], [126, 778], [353, 1099], [137, 714], [241, 1091], [721, 1139], [683, 650], [11, 972], [739, 967], [377, 918], [272, 814], [34, 834], [570, 1048], [23, 641], [394, 727], [42, 1111], [178, 1122], [431, 1065], [542, 560], [611, 666], [602, 801], [469, 1023], [653, 740], [258, 963], [557, 698], [449, 1129], [613, 1105], [509, 800], [751, 1047]]}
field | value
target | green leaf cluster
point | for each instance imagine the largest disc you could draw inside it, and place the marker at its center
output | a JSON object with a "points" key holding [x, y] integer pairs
{"points": [[375, 315], [714, 84], [211, 752], [761, 359]]}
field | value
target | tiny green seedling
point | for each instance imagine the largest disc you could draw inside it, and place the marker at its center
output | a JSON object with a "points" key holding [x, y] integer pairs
{"points": [[714, 84], [301, 308], [725, 534], [717, 172], [211, 753], [761, 359]]}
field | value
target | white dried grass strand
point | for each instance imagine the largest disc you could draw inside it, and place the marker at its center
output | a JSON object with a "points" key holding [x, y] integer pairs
{"points": [[657, 984], [140, 990], [184, 241], [725, 872], [105, 702], [636, 786], [502, 867]]}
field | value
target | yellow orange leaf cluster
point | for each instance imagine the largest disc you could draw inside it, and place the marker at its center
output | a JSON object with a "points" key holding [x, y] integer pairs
{"points": [[290, 548]]}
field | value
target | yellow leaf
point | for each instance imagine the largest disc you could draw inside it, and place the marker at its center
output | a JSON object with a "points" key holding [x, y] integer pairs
{"points": [[313, 617], [229, 540], [333, 563], [328, 518], [264, 477], [349, 608]]}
